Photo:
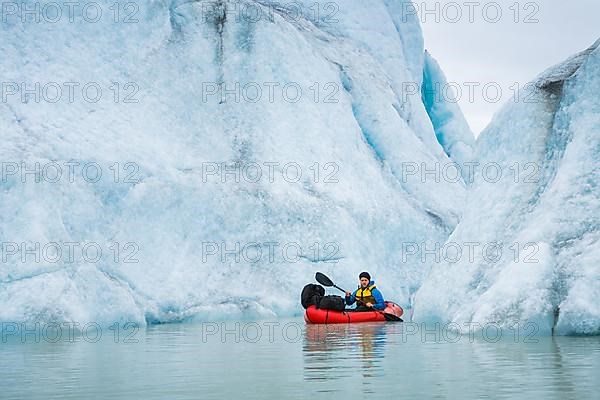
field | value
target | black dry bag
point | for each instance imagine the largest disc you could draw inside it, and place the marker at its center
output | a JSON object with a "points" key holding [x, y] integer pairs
{"points": [[311, 295], [335, 303]]}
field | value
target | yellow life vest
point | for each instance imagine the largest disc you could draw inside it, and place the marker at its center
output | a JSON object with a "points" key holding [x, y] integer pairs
{"points": [[365, 295]]}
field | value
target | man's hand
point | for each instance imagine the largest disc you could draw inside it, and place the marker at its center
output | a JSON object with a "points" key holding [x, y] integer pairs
{"points": [[348, 294], [369, 305]]}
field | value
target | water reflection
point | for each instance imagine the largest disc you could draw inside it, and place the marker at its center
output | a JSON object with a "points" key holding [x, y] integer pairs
{"points": [[384, 359], [536, 368], [337, 351]]}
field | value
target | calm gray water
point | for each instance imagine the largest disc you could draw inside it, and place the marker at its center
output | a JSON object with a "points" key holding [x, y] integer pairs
{"points": [[262, 360]]}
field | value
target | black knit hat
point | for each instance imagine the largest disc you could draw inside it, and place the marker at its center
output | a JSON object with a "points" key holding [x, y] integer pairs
{"points": [[364, 275]]}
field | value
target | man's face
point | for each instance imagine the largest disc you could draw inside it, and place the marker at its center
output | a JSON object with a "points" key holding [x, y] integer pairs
{"points": [[364, 282]]}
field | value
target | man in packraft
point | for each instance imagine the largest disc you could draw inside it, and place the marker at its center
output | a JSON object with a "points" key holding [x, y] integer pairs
{"points": [[367, 296]]}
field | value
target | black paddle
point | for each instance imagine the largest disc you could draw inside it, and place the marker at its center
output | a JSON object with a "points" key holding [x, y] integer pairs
{"points": [[325, 281]]}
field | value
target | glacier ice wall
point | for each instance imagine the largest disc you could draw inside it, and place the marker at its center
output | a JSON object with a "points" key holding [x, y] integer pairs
{"points": [[153, 206], [451, 127], [537, 207]]}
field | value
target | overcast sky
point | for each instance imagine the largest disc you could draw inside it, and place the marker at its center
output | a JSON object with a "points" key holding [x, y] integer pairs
{"points": [[505, 52]]}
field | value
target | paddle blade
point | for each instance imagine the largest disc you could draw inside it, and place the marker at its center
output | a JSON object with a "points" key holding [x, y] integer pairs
{"points": [[392, 317], [323, 280]]}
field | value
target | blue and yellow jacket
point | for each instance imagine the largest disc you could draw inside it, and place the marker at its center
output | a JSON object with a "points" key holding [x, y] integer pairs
{"points": [[369, 295]]}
